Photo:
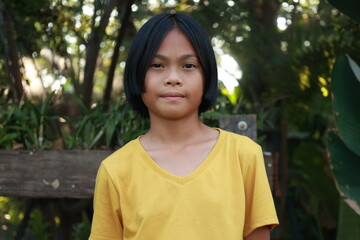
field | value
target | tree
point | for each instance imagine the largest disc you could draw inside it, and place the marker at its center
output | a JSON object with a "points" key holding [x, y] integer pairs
{"points": [[286, 74], [114, 60], [11, 53], [93, 46]]}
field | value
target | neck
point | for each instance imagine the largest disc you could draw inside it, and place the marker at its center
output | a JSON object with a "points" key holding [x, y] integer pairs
{"points": [[175, 131]]}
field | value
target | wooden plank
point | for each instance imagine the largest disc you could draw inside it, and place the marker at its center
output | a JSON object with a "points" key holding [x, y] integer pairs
{"points": [[71, 173], [50, 174], [57, 174]]}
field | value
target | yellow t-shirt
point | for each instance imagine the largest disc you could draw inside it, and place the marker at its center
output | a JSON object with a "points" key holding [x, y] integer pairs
{"points": [[226, 197]]}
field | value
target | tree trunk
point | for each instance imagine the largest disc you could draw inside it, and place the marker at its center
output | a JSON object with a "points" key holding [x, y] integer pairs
{"points": [[92, 51], [262, 68], [11, 52], [119, 40], [263, 24], [284, 168]]}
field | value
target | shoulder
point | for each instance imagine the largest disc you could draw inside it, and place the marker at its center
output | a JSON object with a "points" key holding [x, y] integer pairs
{"points": [[242, 149], [239, 142], [121, 159]]}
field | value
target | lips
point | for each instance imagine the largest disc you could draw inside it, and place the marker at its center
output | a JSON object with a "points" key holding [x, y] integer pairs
{"points": [[172, 96]]}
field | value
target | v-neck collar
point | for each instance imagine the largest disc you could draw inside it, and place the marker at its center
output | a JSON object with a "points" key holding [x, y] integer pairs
{"points": [[145, 157]]}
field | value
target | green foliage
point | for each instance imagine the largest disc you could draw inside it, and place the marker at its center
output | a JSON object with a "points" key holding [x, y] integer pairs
{"points": [[38, 226], [26, 15], [11, 215], [349, 7], [344, 147], [24, 125], [98, 126], [346, 91], [286, 78], [222, 107], [315, 200], [32, 126], [81, 230], [346, 165], [349, 223]]}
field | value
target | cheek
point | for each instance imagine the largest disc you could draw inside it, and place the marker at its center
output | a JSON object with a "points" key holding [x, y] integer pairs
{"points": [[199, 89], [151, 78], [144, 95], [146, 83]]}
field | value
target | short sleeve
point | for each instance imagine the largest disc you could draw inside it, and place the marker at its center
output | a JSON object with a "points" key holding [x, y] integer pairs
{"points": [[260, 209], [107, 220]]}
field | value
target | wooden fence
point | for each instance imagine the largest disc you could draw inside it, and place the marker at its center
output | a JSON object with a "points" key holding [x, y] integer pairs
{"points": [[71, 173]]}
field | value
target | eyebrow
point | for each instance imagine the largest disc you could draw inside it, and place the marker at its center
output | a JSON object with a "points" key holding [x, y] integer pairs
{"points": [[183, 57]]}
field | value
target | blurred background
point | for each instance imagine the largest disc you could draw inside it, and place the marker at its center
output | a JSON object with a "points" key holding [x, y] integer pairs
{"points": [[61, 67]]}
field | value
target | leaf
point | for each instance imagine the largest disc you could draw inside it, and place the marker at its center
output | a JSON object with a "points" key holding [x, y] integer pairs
{"points": [[81, 230], [6, 139], [349, 7], [355, 68], [96, 139], [345, 167], [46, 103], [80, 103], [232, 96], [349, 223], [110, 129], [214, 115], [346, 101]]}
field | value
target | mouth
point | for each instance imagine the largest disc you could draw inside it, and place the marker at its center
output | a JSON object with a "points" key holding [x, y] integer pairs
{"points": [[172, 96]]}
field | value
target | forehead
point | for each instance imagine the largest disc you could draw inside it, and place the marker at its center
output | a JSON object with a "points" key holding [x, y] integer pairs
{"points": [[176, 42]]}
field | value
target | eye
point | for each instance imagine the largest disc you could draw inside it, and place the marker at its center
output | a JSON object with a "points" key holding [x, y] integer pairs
{"points": [[189, 66], [156, 65]]}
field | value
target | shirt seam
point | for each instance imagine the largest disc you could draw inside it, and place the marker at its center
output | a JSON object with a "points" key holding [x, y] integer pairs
{"points": [[251, 227]]}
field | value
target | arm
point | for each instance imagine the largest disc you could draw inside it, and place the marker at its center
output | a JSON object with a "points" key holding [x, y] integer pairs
{"points": [[262, 233], [260, 214], [106, 222]]}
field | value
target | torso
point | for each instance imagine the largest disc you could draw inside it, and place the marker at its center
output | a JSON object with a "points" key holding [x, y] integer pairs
{"points": [[211, 202]]}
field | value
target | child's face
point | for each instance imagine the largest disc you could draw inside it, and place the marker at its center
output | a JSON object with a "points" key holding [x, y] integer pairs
{"points": [[174, 82]]}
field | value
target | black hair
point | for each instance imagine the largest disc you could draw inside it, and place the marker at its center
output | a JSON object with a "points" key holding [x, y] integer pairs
{"points": [[145, 46]]}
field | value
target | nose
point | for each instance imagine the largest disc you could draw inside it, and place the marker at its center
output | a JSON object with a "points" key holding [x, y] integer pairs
{"points": [[173, 79]]}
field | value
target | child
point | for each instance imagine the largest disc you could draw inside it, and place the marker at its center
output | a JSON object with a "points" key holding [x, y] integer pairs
{"points": [[182, 180]]}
